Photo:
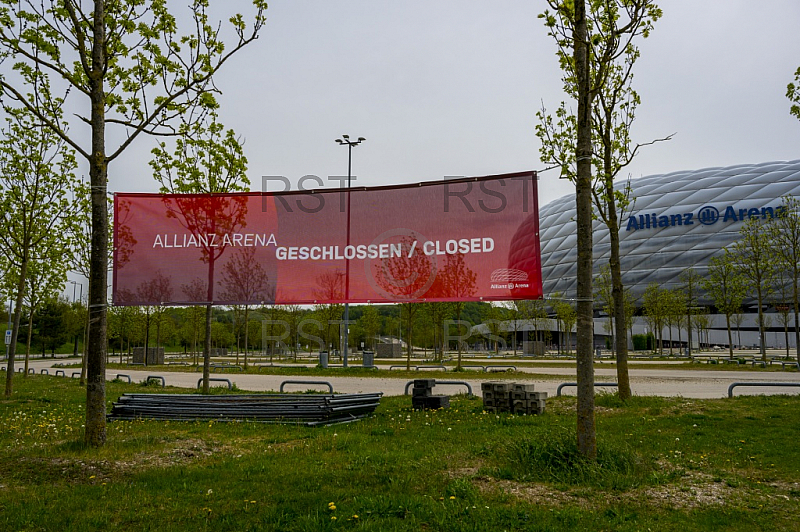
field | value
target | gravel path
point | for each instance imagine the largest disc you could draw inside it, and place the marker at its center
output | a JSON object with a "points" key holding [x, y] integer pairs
{"points": [[645, 381]]}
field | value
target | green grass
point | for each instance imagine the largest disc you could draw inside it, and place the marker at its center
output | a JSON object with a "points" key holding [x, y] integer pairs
{"points": [[664, 464]]}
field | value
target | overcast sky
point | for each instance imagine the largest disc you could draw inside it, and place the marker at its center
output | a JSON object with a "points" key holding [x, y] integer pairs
{"points": [[449, 87]]}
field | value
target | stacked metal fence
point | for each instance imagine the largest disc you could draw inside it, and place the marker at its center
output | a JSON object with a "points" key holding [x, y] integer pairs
{"points": [[306, 409]]}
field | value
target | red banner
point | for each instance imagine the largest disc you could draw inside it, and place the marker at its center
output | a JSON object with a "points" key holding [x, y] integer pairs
{"points": [[440, 241]]}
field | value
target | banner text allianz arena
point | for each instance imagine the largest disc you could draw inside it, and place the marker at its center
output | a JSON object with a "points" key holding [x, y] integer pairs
{"points": [[439, 241]]}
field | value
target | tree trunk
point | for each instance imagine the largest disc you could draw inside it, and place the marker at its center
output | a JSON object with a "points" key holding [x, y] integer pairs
{"points": [[586, 433], [207, 350], [85, 338], [785, 331], [28, 343], [689, 328], [761, 334], [12, 348], [796, 297], [146, 334], [95, 434], [730, 336], [246, 335]]}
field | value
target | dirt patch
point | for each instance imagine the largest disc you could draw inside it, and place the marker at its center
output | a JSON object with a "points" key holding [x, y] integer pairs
{"points": [[693, 490]]}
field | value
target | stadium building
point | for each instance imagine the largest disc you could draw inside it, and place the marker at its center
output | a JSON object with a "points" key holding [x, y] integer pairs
{"points": [[677, 221]]}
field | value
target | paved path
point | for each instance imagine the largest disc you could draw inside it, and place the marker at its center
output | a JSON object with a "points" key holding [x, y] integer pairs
{"points": [[662, 382]]}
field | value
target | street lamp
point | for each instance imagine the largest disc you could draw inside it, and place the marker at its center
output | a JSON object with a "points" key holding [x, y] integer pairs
{"points": [[345, 141]]}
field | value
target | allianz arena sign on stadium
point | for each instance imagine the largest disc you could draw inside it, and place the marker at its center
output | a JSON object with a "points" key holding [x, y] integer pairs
{"points": [[708, 215], [679, 220]]}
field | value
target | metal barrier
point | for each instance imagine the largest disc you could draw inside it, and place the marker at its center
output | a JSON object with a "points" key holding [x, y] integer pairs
{"points": [[401, 366], [225, 366], [482, 368], [436, 383], [156, 378], [216, 379], [78, 373], [44, 372], [121, 375], [762, 384], [431, 367], [321, 383], [498, 368], [31, 371], [60, 372], [565, 384]]}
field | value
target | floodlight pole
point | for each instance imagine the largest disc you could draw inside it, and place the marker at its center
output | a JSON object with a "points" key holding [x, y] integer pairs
{"points": [[350, 144]]}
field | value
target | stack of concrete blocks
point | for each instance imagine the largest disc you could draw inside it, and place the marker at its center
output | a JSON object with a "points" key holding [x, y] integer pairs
{"points": [[155, 356], [513, 397], [422, 397]]}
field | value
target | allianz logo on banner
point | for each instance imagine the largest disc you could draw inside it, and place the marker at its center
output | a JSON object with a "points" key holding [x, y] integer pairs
{"points": [[708, 215], [509, 279]]}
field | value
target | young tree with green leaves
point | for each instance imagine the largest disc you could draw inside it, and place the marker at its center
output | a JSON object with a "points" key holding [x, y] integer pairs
{"points": [[494, 316], [690, 284], [755, 260], [244, 279], [293, 314], [613, 26], [726, 286], [656, 307], [566, 314], [135, 73], [793, 93], [370, 321], [45, 280], [784, 230], [36, 179], [568, 24], [459, 282], [603, 294], [205, 159], [519, 311]]}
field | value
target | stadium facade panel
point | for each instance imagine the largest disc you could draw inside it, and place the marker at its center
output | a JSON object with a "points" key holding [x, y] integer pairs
{"points": [[677, 221]]}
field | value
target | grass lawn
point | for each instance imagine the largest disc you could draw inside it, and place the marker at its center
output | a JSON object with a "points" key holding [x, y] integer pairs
{"points": [[663, 464]]}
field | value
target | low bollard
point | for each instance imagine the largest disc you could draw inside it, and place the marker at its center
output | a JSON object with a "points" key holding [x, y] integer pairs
{"points": [[762, 384], [156, 378], [216, 379], [565, 384], [319, 383]]}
